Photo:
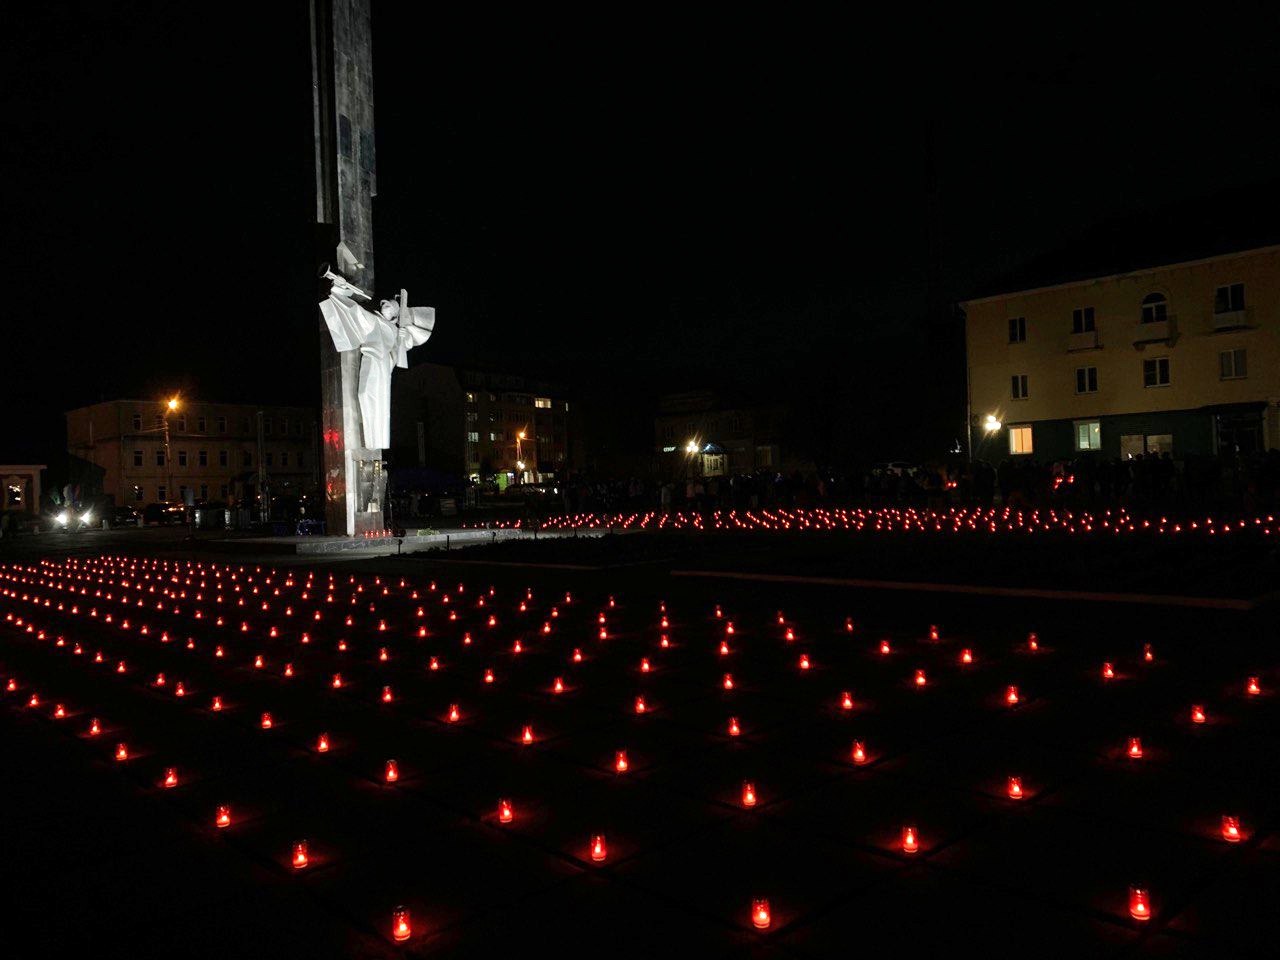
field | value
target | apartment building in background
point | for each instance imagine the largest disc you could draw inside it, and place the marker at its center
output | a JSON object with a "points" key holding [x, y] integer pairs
{"points": [[220, 452], [479, 425], [1182, 358]]}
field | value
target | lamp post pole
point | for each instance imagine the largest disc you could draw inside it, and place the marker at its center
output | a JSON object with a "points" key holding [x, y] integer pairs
{"points": [[170, 406]]}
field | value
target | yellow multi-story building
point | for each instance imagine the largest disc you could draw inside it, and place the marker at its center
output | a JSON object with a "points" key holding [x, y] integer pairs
{"points": [[1183, 358]]}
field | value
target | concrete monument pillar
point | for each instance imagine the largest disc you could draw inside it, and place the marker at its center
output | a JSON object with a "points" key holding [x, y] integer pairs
{"points": [[353, 481]]}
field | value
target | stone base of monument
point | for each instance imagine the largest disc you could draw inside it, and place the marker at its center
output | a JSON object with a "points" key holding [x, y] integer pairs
{"points": [[413, 541]]}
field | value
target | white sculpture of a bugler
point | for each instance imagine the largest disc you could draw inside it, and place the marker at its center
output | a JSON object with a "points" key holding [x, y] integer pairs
{"points": [[384, 340]]}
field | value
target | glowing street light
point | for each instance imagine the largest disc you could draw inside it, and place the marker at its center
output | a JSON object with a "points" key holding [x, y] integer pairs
{"points": [[991, 424]]}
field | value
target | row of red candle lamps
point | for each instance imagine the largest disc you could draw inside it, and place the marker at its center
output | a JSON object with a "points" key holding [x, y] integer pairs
{"points": [[909, 844], [886, 519]]}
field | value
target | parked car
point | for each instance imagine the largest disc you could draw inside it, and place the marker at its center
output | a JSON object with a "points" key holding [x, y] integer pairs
{"points": [[164, 515], [125, 516]]}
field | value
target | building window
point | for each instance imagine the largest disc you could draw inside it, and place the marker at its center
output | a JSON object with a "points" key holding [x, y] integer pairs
{"points": [[1020, 439], [1229, 299], [244, 424], [1017, 329], [1018, 386], [202, 458], [1155, 308], [1155, 373], [221, 424], [224, 490], [204, 491], [201, 425], [542, 403], [246, 458], [1082, 320], [160, 460], [473, 436], [471, 397], [137, 421], [137, 458], [1231, 365], [496, 436], [222, 458], [1086, 379], [284, 458], [182, 458], [472, 416], [182, 492], [1088, 435], [271, 459], [302, 461], [160, 493], [182, 423], [266, 426]]}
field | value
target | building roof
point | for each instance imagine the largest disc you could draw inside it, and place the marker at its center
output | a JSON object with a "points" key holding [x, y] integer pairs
{"points": [[1227, 222]]}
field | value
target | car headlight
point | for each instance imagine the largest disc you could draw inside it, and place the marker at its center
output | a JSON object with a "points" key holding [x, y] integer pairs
{"points": [[62, 518], [86, 517]]}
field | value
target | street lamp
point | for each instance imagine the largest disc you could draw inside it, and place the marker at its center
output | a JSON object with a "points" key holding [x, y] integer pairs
{"points": [[519, 456], [991, 424]]}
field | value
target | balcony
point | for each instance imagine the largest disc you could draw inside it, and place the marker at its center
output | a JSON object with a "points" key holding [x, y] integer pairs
{"points": [[1232, 319], [1158, 331], [1088, 340]]}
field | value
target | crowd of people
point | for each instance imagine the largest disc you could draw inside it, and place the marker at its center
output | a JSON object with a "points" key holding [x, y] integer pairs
{"points": [[1150, 482]]}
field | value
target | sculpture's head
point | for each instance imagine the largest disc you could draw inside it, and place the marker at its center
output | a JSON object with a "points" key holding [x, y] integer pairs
{"points": [[389, 310]]}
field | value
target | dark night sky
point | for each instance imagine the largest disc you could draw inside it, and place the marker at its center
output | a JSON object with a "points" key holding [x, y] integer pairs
{"points": [[630, 204]]}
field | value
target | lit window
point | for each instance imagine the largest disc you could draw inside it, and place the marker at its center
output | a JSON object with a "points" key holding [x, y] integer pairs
{"points": [[1020, 439], [1018, 386], [473, 436], [1155, 373], [1088, 435], [1155, 308], [1231, 364], [1229, 299], [1082, 320], [1086, 379], [542, 403], [471, 397], [1017, 329]]}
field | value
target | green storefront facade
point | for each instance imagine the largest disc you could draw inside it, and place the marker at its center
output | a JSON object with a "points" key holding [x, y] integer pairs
{"points": [[1206, 431]]}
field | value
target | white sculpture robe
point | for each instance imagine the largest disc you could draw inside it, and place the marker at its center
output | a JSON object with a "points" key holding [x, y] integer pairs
{"points": [[384, 340]]}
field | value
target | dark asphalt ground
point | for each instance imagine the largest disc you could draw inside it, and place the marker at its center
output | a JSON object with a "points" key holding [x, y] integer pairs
{"points": [[108, 861]]}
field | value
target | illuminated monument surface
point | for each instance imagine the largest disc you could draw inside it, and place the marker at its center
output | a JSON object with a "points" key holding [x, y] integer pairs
{"points": [[358, 346]]}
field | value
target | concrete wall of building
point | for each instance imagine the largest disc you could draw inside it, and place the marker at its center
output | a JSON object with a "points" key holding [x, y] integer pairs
{"points": [[1051, 354], [426, 419]]}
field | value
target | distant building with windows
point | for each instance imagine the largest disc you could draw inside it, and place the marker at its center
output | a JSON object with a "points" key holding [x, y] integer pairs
{"points": [[477, 425], [706, 434], [1182, 358], [220, 452]]}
